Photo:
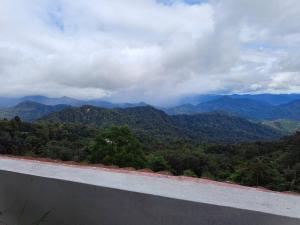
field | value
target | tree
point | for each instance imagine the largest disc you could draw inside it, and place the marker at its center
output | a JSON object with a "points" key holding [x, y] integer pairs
{"points": [[118, 146], [157, 163], [260, 172], [189, 173]]}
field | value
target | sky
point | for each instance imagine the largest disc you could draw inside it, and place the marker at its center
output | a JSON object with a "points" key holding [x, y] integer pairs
{"points": [[148, 50]]}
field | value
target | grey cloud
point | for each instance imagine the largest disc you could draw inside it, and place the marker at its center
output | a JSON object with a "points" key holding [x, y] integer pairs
{"points": [[143, 50]]}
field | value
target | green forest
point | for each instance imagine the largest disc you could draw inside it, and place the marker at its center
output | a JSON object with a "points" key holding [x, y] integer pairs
{"points": [[270, 164]]}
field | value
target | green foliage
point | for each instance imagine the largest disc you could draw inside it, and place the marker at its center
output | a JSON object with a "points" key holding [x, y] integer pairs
{"points": [[189, 173], [150, 122], [157, 162], [118, 146], [286, 126], [259, 172], [185, 160], [274, 165], [57, 141]]}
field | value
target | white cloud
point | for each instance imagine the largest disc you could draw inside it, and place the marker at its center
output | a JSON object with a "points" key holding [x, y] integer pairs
{"points": [[133, 50]]}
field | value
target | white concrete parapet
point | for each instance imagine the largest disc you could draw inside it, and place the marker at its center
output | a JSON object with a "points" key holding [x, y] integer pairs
{"points": [[34, 192]]}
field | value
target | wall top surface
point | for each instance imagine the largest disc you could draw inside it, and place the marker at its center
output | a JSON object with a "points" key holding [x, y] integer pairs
{"points": [[195, 190]]}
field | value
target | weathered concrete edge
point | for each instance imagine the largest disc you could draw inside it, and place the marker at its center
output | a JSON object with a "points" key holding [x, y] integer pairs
{"points": [[100, 205], [162, 197], [35, 169], [142, 172]]}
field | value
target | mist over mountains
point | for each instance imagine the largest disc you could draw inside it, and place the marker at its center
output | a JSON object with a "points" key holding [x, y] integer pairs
{"points": [[10, 102], [272, 99]]}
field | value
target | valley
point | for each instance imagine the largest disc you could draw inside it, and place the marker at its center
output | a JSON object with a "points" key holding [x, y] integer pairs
{"points": [[225, 142]]}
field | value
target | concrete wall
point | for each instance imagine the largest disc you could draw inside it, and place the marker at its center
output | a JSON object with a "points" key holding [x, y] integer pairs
{"points": [[28, 199]]}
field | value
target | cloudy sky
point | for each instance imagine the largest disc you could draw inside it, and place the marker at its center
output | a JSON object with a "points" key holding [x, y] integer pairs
{"points": [[148, 50]]}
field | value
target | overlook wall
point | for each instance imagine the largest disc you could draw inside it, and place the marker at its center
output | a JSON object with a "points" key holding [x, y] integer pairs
{"points": [[33, 192]]}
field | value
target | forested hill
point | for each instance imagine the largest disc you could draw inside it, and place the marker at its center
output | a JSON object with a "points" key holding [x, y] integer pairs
{"points": [[149, 121], [30, 111], [218, 126]]}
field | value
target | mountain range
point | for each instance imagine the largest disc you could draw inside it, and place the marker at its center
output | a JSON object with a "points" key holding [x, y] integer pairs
{"points": [[244, 107], [6, 102], [214, 115], [273, 99], [30, 111], [155, 123]]}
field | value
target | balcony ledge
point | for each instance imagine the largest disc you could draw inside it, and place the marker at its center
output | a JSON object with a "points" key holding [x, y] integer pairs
{"points": [[132, 197]]}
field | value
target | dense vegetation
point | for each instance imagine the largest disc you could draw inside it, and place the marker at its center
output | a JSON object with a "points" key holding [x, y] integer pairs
{"points": [[150, 122], [274, 165], [57, 141], [285, 126]]}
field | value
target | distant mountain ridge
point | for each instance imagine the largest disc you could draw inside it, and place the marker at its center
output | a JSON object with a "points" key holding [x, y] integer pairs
{"points": [[29, 111], [244, 107], [254, 107], [273, 99], [10, 102], [155, 123]]}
